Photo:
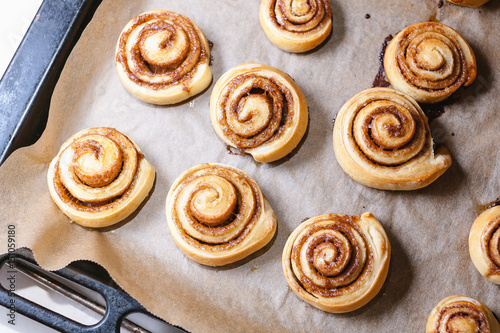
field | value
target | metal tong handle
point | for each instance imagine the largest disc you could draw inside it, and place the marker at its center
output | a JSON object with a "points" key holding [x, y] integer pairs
{"points": [[64, 290], [119, 303]]}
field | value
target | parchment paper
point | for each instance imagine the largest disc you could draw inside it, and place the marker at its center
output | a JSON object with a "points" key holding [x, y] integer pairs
{"points": [[428, 229]]}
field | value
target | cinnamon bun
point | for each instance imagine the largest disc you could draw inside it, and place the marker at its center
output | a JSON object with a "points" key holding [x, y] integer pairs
{"points": [[217, 214], [337, 263], [163, 58], [469, 3], [461, 314], [429, 61], [259, 109], [99, 177], [382, 139], [297, 25], [484, 244]]}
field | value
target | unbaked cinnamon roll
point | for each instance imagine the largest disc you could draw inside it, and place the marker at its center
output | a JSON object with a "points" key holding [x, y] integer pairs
{"points": [[429, 61], [296, 25], [99, 177], [163, 58], [259, 109], [381, 139], [461, 314], [484, 244], [469, 3], [217, 214], [337, 263]]}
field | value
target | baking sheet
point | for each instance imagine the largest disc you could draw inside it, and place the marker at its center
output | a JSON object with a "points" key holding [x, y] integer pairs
{"points": [[428, 228]]}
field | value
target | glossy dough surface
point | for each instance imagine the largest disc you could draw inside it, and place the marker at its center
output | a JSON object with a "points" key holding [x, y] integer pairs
{"points": [[429, 61], [382, 139], [484, 244], [297, 25], [99, 177], [217, 214], [461, 314], [469, 3], [163, 58], [259, 109], [337, 263]]}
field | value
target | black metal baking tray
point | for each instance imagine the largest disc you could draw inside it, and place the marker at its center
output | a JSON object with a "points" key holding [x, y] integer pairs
{"points": [[27, 84], [25, 92]]}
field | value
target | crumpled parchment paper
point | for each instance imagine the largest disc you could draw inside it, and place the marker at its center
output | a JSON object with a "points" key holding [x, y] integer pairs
{"points": [[428, 229]]}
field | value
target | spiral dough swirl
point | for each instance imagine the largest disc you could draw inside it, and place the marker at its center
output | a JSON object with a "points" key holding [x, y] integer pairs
{"points": [[469, 3], [99, 177], [382, 139], [259, 109], [484, 244], [429, 61], [461, 314], [337, 263], [217, 214], [163, 58], [296, 25]]}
